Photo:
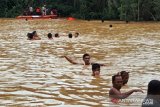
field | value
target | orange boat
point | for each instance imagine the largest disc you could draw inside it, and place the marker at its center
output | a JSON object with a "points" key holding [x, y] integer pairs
{"points": [[70, 18], [37, 17]]}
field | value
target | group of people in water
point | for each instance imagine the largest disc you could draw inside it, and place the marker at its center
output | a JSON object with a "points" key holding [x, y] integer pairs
{"points": [[35, 36], [118, 80], [121, 79]]}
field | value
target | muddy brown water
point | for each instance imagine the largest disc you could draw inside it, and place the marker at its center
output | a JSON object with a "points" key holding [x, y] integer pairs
{"points": [[33, 73]]}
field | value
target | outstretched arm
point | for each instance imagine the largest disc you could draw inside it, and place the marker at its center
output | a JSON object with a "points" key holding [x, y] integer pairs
{"points": [[126, 94], [70, 60], [117, 94]]}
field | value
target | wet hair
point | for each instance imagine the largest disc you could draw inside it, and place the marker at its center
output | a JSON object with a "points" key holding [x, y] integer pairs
{"points": [[114, 77], [153, 87], [34, 32], [70, 35], [56, 35], [77, 33], [49, 35], [95, 66], [122, 73], [85, 55], [30, 36]]}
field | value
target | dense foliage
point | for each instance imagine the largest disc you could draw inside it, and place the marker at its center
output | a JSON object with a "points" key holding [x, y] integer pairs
{"points": [[135, 10]]}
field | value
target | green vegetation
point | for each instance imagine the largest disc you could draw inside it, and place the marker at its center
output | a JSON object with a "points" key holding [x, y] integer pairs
{"points": [[128, 10]]}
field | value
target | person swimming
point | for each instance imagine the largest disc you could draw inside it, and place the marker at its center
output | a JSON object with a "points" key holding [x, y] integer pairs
{"points": [[153, 94], [125, 76], [96, 69], [115, 92], [70, 35], [76, 34], [56, 35], [86, 60], [33, 36], [30, 36], [50, 36]]}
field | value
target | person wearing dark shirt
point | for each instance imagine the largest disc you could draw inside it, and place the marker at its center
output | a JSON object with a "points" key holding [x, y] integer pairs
{"points": [[153, 95]]}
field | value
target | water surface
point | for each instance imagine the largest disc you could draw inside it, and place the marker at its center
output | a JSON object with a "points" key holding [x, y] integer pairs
{"points": [[33, 73]]}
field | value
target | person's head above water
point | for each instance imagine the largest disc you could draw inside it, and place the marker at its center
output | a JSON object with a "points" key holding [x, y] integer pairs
{"points": [[49, 36], [153, 94], [35, 36], [56, 35], [34, 33], [117, 81], [76, 34], [115, 91], [86, 59], [125, 76], [30, 36], [154, 87], [95, 69], [70, 35]]}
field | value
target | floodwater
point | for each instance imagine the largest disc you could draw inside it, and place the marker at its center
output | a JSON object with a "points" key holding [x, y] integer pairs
{"points": [[33, 73]]}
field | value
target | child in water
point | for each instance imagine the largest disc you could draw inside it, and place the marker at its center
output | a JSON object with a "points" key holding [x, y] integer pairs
{"points": [[95, 69]]}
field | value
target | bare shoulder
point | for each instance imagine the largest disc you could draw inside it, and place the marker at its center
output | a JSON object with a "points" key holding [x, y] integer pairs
{"points": [[111, 91], [114, 91]]}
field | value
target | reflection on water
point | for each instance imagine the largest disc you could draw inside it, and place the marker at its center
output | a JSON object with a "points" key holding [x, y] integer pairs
{"points": [[34, 74]]}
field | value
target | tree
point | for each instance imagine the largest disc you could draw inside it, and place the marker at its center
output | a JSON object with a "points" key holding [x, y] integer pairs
{"points": [[89, 9]]}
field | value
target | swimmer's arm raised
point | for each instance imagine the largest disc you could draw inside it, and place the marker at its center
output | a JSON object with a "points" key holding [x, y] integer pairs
{"points": [[70, 60]]}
